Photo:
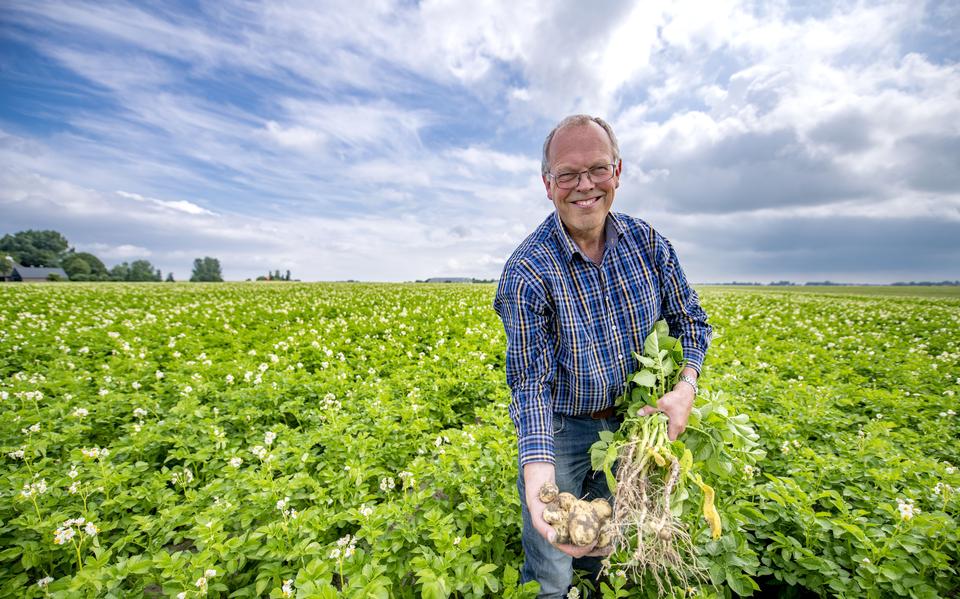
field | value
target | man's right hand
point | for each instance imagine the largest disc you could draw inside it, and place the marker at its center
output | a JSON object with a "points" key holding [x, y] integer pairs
{"points": [[535, 475]]}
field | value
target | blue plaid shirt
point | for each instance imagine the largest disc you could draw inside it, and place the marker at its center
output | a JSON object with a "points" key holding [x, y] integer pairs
{"points": [[572, 325]]}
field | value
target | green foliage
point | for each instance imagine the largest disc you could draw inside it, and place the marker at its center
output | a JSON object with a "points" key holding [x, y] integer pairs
{"points": [[142, 270], [638, 460], [855, 402], [206, 269], [375, 447], [362, 384], [138, 271], [120, 272], [6, 265], [76, 267], [35, 248], [83, 266]]}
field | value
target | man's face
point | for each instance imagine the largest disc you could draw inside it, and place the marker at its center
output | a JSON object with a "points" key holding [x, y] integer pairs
{"points": [[584, 208]]}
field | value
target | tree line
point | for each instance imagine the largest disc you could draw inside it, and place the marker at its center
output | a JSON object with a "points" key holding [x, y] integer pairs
{"points": [[51, 249]]}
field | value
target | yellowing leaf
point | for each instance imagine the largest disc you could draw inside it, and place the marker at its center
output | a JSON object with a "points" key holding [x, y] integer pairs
{"points": [[709, 509], [659, 459]]}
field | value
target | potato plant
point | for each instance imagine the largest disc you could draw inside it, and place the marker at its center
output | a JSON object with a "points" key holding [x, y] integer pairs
{"points": [[650, 476], [352, 440]]}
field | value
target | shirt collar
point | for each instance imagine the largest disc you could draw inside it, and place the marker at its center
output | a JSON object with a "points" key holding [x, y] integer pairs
{"points": [[613, 231]]}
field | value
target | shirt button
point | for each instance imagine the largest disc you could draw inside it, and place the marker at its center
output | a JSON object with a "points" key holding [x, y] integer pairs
{"points": [[619, 356]]}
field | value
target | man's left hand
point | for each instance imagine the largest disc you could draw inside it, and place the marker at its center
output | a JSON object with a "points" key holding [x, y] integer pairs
{"points": [[677, 405]]}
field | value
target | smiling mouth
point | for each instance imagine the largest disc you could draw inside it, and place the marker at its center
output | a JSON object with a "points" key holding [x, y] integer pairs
{"points": [[587, 202]]}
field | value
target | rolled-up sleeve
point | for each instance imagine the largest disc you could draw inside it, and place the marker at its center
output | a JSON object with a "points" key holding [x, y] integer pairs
{"points": [[681, 307], [530, 366]]}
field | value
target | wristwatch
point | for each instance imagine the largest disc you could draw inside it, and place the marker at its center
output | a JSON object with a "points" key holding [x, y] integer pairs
{"points": [[690, 381]]}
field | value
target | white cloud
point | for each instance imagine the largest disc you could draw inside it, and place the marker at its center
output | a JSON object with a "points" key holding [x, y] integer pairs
{"points": [[116, 252], [314, 248], [401, 139], [175, 205]]}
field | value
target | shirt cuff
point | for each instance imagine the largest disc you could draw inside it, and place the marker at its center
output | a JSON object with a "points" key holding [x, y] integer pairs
{"points": [[694, 357], [537, 445]]}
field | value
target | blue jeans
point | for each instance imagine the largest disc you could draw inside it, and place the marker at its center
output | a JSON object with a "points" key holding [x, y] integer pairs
{"points": [[553, 569]]}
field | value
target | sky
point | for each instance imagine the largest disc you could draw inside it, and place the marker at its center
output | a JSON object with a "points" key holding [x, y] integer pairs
{"points": [[399, 140]]}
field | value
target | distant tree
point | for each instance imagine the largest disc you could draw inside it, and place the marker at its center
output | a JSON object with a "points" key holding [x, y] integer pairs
{"points": [[142, 270], [120, 272], [84, 266], [97, 268], [263, 278], [206, 269], [6, 266], [158, 276], [75, 266], [170, 278], [137, 271], [287, 278], [35, 248]]}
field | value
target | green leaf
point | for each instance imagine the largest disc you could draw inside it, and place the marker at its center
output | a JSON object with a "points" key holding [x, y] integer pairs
{"points": [[645, 378], [741, 584], [598, 454], [137, 565], [651, 345], [434, 589], [611, 479], [510, 577], [661, 328]]}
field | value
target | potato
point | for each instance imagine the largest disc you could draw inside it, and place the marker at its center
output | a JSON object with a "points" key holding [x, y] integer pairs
{"points": [[601, 507], [583, 524], [606, 535], [554, 514], [549, 492], [563, 532], [566, 500]]}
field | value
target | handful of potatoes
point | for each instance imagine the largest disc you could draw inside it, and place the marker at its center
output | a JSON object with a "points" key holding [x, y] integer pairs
{"points": [[576, 521]]}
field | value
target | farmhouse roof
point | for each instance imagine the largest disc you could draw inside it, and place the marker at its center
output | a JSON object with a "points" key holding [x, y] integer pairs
{"points": [[449, 280], [38, 272]]}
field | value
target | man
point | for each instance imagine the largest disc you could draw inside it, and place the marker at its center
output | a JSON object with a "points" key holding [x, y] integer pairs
{"points": [[576, 299]]}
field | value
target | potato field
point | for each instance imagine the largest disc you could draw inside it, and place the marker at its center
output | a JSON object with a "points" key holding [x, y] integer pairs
{"points": [[352, 440]]}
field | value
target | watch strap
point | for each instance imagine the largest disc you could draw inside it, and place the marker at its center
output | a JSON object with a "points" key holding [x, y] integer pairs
{"points": [[690, 381]]}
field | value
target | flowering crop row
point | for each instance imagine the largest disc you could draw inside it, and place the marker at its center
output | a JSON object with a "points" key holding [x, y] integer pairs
{"points": [[352, 441]]}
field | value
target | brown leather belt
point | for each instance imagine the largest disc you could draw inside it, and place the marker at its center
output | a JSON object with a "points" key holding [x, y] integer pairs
{"points": [[605, 413]]}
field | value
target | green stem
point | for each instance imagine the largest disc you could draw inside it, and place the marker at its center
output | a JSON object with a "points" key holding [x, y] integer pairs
{"points": [[77, 547], [103, 478]]}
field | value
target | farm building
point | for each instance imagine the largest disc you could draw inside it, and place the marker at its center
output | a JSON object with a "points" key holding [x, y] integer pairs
{"points": [[35, 274], [449, 280]]}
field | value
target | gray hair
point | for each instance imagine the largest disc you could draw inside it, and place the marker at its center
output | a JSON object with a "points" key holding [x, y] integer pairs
{"points": [[574, 121]]}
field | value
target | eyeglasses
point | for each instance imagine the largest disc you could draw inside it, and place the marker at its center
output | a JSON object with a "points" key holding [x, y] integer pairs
{"points": [[597, 174]]}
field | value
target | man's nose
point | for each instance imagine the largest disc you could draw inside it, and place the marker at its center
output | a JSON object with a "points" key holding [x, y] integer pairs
{"points": [[584, 182]]}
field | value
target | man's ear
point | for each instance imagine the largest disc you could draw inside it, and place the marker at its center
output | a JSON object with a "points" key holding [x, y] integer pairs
{"points": [[546, 184], [616, 174]]}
